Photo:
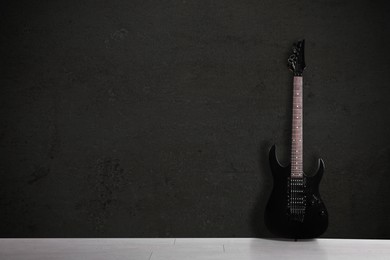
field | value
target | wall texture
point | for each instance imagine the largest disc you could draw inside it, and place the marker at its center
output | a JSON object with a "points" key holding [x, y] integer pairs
{"points": [[154, 118]]}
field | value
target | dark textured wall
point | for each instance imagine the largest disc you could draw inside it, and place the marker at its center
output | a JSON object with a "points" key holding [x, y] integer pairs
{"points": [[154, 118]]}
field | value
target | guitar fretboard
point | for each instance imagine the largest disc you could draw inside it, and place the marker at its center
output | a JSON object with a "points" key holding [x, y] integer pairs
{"points": [[297, 130]]}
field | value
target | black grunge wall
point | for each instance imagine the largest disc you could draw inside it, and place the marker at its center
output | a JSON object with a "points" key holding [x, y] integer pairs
{"points": [[154, 118]]}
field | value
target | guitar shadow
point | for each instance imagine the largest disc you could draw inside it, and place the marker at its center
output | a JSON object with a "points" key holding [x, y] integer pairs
{"points": [[284, 248], [258, 227]]}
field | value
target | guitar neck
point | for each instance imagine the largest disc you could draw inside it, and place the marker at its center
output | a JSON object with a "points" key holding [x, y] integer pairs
{"points": [[297, 129]]}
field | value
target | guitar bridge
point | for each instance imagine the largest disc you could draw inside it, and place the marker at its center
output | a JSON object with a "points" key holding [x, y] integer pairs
{"points": [[296, 198]]}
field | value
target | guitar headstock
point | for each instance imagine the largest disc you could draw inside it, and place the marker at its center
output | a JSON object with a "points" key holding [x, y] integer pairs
{"points": [[296, 61]]}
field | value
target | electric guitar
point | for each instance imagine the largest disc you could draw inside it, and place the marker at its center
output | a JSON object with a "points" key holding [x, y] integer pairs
{"points": [[295, 209]]}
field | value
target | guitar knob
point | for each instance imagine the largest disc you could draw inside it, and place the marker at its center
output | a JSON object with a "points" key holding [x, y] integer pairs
{"points": [[322, 213], [314, 200]]}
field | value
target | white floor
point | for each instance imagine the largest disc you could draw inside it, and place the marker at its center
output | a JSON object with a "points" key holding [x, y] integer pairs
{"points": [[188, 248]]}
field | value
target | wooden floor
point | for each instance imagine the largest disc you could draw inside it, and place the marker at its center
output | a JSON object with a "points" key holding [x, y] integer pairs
{"points": [[188, 248]]}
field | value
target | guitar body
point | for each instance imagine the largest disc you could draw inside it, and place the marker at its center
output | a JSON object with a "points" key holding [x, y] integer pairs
{"points": [[310, 218]]}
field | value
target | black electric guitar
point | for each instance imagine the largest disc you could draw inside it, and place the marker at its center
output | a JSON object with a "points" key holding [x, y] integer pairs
{"points": [[295, 209]]}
